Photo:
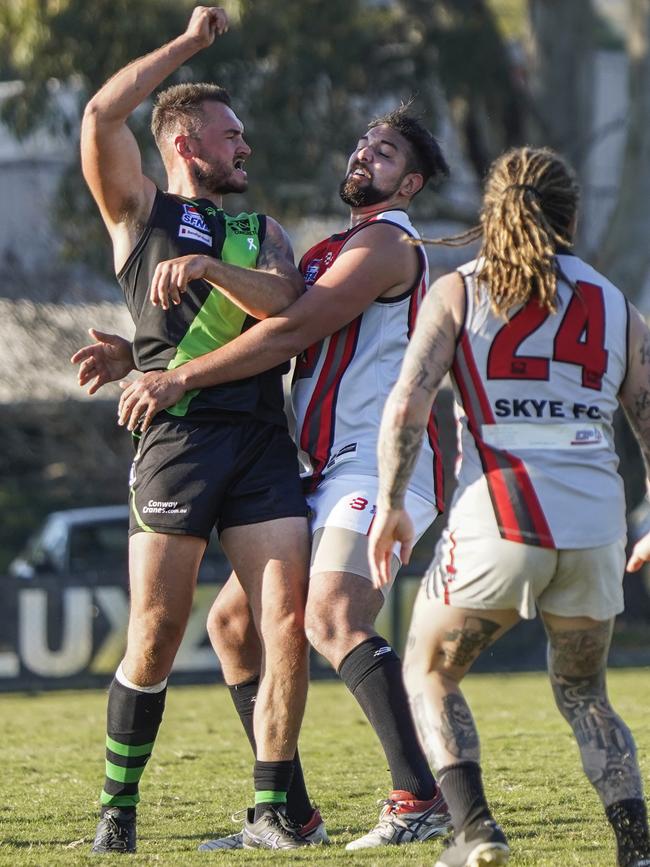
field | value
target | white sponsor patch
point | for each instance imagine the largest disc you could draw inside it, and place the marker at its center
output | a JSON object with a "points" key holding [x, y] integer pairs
{"points": [[164, 507], [194, 234], [526, 435]]}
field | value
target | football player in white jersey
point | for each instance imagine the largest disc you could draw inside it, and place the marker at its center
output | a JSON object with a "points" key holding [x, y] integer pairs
{"points": [[350, 330], [540, 348]]}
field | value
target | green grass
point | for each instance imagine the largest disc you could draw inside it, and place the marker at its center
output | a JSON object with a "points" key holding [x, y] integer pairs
{"points": [[201, 772]]}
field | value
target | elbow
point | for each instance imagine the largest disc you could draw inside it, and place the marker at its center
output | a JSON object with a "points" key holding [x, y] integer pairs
{"points": [[287, 336], [401, 413], [405, 411], [91, 119], [91, 112], [289, 293]]}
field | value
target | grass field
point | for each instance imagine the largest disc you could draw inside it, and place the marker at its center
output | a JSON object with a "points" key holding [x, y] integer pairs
{"points": [[200, 773]]}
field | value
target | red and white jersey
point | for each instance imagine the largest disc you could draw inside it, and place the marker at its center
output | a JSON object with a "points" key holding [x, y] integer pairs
{"points": [[535, 400], [341, 384]]}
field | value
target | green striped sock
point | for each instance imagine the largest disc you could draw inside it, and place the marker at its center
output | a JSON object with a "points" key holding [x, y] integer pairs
{"points": [[133, 721], [270, 797]]}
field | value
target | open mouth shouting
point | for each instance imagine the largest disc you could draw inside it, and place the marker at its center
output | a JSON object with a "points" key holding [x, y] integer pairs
{"points": [[360, 171]]}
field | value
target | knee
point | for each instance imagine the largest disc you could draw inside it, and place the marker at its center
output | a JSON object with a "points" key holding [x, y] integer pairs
{"points": [[412, 675], [153, 642], [320, 632], [420, 669], [226, 626], [284, 630]]}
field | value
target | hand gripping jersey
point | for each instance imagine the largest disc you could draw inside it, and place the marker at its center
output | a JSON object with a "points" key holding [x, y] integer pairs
{"points": [[535, 399], [341, 384], [206, 320]]}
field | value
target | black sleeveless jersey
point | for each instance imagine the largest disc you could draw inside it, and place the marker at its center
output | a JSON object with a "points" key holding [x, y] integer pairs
{"points": [[205, 319]]}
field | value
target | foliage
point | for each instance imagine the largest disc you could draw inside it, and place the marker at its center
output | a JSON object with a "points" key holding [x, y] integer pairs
{"points": [[201, 772], [305, 78]]}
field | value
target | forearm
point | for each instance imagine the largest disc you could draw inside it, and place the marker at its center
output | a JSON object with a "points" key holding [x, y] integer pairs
{"points": [[400, 442], [129, 87], [259, 293], [635, 392], [261, 348]]}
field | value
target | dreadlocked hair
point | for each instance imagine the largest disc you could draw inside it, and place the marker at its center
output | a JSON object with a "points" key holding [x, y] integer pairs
{"points": [[529, 205]]}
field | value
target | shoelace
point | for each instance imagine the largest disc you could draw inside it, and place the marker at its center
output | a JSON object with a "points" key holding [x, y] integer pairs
{"points": [[388, 806], [113, 831], [282, 823]]}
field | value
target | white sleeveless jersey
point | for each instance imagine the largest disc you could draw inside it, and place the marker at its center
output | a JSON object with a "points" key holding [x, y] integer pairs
{"points": [[341, 384], [535, 399]]}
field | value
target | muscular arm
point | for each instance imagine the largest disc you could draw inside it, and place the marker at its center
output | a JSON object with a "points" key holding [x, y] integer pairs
{"points": [[635, 392], [261, 292], [429, 356], [110, 157], [635, 400], [375, 262]]}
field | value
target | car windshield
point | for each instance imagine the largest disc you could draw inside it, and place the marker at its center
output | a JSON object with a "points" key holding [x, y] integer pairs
{"points": [[99, 546]]}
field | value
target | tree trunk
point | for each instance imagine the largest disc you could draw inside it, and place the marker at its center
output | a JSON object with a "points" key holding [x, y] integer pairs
{"points": [[624, 254], [561, 62]]}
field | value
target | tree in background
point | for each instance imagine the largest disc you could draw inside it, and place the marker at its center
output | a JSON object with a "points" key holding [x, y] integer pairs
{"points": [[306, 75]]}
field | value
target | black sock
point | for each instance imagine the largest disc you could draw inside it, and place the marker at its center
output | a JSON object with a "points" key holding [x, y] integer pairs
{"points": [[629, 819], [243, 697], [462, 787], [272, 781], [299, 807], [133, 718], [373, 674]]}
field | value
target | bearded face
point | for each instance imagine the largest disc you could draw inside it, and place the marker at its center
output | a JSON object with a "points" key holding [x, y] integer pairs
{"points": [[359, 188], [220, 177]]}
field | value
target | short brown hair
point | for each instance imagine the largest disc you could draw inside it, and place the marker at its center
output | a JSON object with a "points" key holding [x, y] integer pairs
{"points": [[181, 107]]}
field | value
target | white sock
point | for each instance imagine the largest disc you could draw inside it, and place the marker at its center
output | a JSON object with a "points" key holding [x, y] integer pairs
{"points": [[123, 679]]}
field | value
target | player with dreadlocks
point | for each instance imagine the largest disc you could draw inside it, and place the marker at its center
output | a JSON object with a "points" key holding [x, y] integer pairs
{"points": [[541, 349]]}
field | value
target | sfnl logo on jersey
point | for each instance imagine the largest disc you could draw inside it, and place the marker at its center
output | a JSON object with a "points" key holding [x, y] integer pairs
{"points": [[193, 226]]}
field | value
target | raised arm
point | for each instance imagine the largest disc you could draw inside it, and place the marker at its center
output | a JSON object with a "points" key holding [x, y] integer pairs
{"points": [[429, 356], [110, 157], [635, 399], [375, 262], [261, 292]]}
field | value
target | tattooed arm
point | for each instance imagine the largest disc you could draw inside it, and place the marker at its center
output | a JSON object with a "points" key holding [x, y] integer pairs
{"points": [[428, 358], [635, 399], [265, 291]]}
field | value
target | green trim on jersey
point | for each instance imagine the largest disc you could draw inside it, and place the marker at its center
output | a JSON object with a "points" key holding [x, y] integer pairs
{"points": [[219, 320], [136, 514]]}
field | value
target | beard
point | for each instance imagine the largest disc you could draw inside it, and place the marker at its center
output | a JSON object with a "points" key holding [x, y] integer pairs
{"points": [[359, 196], [219, 179]]}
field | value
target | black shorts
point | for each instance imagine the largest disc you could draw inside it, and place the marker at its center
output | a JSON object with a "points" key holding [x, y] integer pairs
{"points": [[188, 477]]}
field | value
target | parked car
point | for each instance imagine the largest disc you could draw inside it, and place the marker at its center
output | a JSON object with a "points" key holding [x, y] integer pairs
{"points": [[92, 542]]}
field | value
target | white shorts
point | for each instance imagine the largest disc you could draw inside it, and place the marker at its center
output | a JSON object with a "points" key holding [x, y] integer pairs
{"points": [[341, 512], [482, 572]]}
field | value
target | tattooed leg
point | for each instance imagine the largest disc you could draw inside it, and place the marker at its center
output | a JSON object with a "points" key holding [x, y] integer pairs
{"points": [[577, 665], [442, 645]]}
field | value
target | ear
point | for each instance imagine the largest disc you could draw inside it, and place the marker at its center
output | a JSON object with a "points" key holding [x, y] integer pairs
{"points": [[411, 184], [183, 147]]}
